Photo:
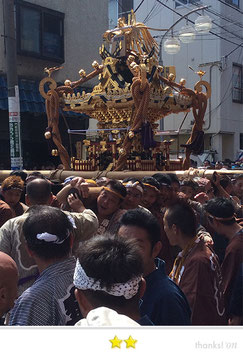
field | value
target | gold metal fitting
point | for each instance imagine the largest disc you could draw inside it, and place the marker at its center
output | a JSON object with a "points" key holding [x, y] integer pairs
{"points": [[95, 65], [54, 152], [130, 134], [82, 73], [67, 82], [86, 142], [122, 151], [183, 82], [131, 58], [47, 135], [167, 90], [171, 77]]}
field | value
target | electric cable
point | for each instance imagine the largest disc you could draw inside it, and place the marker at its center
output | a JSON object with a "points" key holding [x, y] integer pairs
{"points": [[139, 6], [231, 6]]}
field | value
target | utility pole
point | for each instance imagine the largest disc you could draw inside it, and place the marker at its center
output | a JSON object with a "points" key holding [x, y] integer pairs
{"points": [[13, 89]]}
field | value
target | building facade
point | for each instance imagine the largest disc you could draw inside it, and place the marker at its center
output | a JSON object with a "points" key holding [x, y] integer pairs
{"points": [[49, 33], [218, 53]]}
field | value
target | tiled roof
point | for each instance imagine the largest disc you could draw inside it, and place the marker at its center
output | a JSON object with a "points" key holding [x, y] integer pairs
{"points": [[30, 97]]}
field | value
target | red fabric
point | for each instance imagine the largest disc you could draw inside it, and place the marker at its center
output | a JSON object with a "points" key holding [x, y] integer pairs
{"points": [[5, 212], [201, 282], [231, 265]]}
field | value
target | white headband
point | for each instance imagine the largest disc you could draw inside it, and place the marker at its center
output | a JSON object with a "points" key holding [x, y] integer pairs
{"points": [[84, 282], [51, 238], [135, 185]]}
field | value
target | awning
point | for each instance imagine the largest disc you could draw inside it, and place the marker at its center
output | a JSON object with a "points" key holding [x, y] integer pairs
{"points": [[30, 97]]}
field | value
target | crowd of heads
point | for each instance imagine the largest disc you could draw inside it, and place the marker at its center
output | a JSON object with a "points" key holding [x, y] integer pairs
{"points": [[134, 213]]}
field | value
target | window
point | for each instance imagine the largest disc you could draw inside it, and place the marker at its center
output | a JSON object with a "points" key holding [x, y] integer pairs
{"points": [[233, 2], [237, 81], [124, 8], [40, 32], [113, 13], [241, 141]]}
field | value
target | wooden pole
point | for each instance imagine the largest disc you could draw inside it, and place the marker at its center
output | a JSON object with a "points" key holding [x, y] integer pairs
{"points": [[61, 175]]}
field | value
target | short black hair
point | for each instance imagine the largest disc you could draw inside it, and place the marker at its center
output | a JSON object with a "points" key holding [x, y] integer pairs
{"points": [[38, 191], [225, 181], [151, 181], [163, 179], [221, 207], [51, 220], [117, 186], [141, 218], [37, 174], [110, 259], [183, 216], [173, 177], [19, 173]]}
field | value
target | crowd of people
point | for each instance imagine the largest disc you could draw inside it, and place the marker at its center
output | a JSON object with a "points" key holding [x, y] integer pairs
{"points": [[106, 252]]}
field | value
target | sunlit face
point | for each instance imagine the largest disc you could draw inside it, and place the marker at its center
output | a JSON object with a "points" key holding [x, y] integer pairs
{"points": [[12, 196], [132, 199], [188, 191], [107, 203], [213, 223], [142, 238], [166, 196], [149, 197]]}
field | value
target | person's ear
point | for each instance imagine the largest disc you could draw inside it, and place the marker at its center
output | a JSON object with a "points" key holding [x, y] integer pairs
{"points": [[3, 300], [30, 252], [174, 228], [142, 288], [2, 294], [156, 249], [83, 302]]}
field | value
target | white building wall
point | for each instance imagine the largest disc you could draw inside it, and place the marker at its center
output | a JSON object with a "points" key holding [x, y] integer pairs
{"points": [[84, 24], [224, 120]]}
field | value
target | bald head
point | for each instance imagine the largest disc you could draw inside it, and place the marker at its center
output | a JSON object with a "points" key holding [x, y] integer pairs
{"points": [[8, 283], [38, 192]]}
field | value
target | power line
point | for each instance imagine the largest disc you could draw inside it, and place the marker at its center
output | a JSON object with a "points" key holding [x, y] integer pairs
{"points": [[224, 98], [150, 12], [231, 6], [225, 39], [217, 14], [139, 6], [227, 55], [153, 11]]}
